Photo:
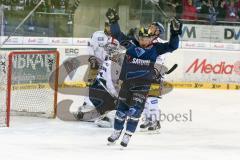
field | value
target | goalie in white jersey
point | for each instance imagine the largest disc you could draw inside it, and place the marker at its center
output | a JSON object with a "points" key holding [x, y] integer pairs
{"points": [[103, 91]]}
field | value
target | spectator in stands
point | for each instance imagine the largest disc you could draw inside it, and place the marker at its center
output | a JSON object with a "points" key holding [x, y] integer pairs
{"points": [[184, 2], [189, 11], [197, 4], [232, 12], [207, 11], [222, 10], [238, 7], [6, 4], [212, 16], [177, 7], [204, 11], [238, 4]]}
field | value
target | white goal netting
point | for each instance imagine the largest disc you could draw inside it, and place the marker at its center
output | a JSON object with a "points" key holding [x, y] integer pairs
{"points": [[25, 88]]}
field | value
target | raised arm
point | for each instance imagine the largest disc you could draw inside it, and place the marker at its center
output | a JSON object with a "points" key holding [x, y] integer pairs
{"points": [[173, 43], [169, 46], [116, 32], [158, 48]]}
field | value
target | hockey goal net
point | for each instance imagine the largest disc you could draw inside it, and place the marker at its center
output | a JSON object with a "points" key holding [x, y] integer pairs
{"points": [[26, 88]]}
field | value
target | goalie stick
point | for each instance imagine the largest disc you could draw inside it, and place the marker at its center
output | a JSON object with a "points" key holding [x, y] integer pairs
{"points": [[104, 87]]}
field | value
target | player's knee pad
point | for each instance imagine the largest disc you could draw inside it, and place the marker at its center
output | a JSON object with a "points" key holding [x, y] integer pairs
{"points": [[134, 113], [121, 116], [133, 119]]}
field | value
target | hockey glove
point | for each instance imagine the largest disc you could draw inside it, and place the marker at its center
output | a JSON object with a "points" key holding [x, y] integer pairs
{"points": [[93, 62], [176, 27], [112, 15], [157, 77]]}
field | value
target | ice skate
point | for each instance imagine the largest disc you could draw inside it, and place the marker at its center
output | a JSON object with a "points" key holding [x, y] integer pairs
{"points": [[154, 127], [114, 137], [145, 125], [86, 113], [125, 139]]}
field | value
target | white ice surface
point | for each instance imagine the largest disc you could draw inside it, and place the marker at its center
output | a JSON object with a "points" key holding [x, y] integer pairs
{"points": [[213, 133]]}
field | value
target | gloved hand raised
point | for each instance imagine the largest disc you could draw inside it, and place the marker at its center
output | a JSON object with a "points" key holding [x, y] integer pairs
{"points": [[176, 26], [112, 15]]}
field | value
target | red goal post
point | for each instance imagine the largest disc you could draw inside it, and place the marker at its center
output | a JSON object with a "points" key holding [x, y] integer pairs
{"points": [[25, 85]]}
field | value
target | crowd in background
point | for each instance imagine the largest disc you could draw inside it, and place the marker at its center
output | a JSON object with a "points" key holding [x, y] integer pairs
{"points": [[25, 5], [43, 21], [210, 10], [56, 17]]}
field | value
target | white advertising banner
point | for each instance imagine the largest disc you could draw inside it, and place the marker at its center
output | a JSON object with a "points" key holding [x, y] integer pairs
{"points": [[15, 40], [213, 66], [56, 41], [74, 63], [36, 40], [210, 46], [80, 41], [73, 60], [194, 65], [60, 41], [211, 33]]}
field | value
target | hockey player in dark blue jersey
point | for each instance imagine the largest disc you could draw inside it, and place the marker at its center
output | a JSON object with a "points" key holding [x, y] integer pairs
{"points": [[137, 74]]}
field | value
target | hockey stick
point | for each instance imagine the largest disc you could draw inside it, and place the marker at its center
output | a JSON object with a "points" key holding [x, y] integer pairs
{"points": [[171, 69], [21, 23], [104, 87], [160, 9], [172, 19]]}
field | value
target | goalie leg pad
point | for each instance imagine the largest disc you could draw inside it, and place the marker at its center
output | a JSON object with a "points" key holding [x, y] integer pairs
{"points": [[107, 120], [101, 99]]}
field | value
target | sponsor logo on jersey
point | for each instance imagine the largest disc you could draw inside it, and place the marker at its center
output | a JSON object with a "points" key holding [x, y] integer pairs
{"points": [[100, 38], [139, 51], [103, 68], [155, 101], [140, 62]]}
